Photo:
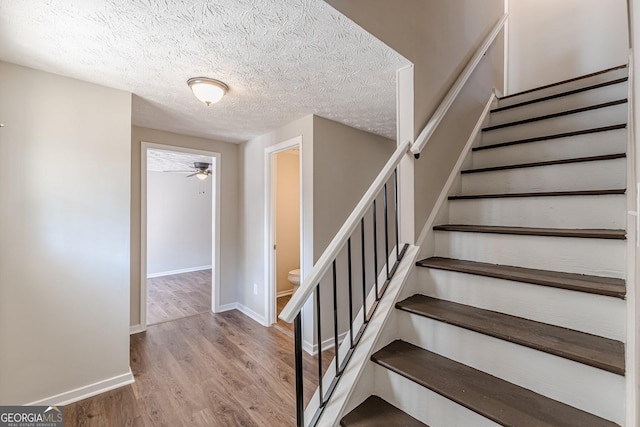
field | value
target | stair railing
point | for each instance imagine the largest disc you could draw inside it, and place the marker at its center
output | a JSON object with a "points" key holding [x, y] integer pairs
{"points": [[371, 291], [457, 86], [368, 259]]}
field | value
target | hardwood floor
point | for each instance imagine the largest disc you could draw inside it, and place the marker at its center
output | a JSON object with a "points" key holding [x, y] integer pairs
{"points": [[204, 370], [178, 295], [287, 328]]}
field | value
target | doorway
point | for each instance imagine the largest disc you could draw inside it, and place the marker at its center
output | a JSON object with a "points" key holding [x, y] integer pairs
{"points": [[284, 207], [179, 233]]}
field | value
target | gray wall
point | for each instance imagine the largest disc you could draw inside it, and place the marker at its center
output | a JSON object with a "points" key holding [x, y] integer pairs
{"points": [[178, 222], [64, 222], [228, 208]]}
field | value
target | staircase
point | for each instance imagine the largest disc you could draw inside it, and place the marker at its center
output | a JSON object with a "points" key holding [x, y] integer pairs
{"points": [[519, 317]]}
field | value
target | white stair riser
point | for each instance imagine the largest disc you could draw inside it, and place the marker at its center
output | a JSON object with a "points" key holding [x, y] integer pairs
{"points": [[594, 175], [598, 257], [584, 387], [592, 144], [564, 103], [424, 404], [593, 314], [589, 81], [606, 116], [607, 211]]}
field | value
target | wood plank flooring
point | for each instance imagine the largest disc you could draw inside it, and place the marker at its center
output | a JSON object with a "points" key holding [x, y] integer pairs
{"points": [[287, 328], [204, 370], [178, 295]]}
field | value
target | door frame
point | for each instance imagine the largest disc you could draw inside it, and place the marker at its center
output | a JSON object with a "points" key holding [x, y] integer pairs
{"points": [[270, 222], [215, 225]]}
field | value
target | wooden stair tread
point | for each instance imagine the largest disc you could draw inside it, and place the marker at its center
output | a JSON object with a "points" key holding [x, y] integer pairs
{"points": [[562, 94], [619, 67], [377, 412], [552, 136], [592, 350], [555, 115], [547, 163], [533, 231], [607, 286], [502, 402], [617, 191]]}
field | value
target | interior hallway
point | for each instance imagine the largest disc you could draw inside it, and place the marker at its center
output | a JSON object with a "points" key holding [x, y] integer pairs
{"points": [[204, 370]]}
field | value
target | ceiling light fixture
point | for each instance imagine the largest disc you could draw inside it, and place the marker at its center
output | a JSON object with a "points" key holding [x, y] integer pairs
{"points": [[202, 176], [207, 90]]}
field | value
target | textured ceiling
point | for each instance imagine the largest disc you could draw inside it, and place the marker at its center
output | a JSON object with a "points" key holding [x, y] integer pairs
{"points": [[164, 160], [282, 59]]}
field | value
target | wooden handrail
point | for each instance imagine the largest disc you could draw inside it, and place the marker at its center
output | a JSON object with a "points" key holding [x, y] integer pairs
{"points": [[325, 261], [457, 86]]}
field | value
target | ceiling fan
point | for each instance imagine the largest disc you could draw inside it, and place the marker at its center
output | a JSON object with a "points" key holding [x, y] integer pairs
{"points": [[200, 169]]}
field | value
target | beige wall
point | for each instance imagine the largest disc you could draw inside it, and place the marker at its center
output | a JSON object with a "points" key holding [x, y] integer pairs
{"points": [[228, 208], [252, 211], [552, 40], [287, 217], [345, 162], [439, 37], [64, 222]]}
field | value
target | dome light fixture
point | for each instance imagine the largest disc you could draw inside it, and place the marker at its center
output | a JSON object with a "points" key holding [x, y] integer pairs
{"points": [[202, 175], [207, 90]]}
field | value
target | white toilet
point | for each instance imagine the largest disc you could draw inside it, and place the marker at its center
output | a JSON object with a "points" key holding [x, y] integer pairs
{"points": [[294, 279]]}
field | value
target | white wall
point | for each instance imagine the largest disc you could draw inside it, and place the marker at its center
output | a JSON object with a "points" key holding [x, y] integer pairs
{"points": [[228, 208], [178, 222], [287, 205], [551, 40], [64, 222]]}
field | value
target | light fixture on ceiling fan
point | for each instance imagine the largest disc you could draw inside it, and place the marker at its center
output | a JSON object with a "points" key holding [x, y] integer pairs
{"points": [[201, 170]]}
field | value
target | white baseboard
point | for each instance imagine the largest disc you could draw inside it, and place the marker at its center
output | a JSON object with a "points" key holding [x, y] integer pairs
{"points": [[81, 393], [244, 310], [227, 307], [136, 329], [326, 344], [252, 314], [183, 270], [284, 293]]}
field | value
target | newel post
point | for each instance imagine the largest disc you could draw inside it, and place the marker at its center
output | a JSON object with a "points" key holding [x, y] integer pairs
{"points": [[405, 131]]}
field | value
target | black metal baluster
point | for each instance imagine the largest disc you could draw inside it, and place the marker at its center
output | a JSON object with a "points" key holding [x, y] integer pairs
{"points": [[297, 333], [386, 231], [350, 291], [395, 208], [375, 250], [319, 329], [335, 320], [364, 282]]}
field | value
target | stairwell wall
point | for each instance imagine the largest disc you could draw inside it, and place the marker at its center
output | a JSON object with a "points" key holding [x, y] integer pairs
{"points": [[551, 40], [439, 38]]}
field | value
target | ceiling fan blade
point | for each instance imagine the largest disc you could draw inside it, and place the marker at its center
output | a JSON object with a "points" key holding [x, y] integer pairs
{"points": [[179, 171], [193, 174]]}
